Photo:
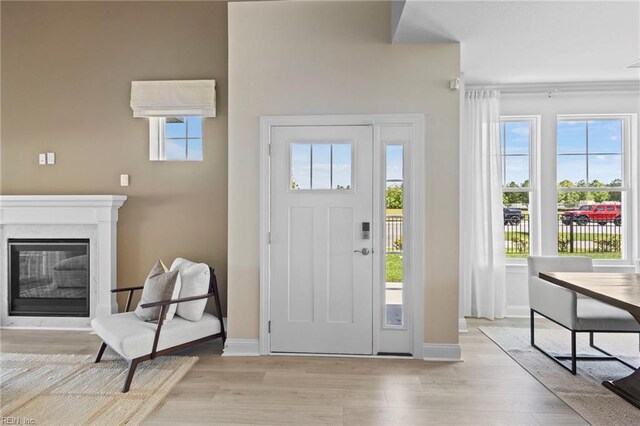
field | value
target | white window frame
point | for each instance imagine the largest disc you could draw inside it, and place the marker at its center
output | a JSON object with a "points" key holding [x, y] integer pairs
{"points": [[629, 191], [535, 236], [157, 149]]}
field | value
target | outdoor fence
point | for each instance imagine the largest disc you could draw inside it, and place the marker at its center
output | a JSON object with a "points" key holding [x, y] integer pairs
{"points": [[602, 239], [591, 237], [394, 234]]}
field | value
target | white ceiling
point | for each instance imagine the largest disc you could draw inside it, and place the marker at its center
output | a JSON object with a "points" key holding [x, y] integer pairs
{"points": [[529, 41]]}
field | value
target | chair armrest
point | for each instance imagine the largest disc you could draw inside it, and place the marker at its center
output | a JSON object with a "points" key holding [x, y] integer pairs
{"points": [[130, 290], [171, 302], [553, 301], [118, 290]]}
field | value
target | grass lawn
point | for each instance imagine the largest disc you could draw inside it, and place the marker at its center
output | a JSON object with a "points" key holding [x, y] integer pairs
{"points": [[394, 268]]}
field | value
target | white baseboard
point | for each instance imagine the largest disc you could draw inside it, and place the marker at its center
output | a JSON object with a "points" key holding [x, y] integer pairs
{"points": [[517, 311], [241, 347], [441, 352], [462, 325]]}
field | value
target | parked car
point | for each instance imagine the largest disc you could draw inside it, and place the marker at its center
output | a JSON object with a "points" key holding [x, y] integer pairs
{"points": [[600, 213], [512, 216]]}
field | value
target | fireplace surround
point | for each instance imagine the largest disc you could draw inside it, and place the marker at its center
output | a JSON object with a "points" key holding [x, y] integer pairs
{"points": [[90, 219]]}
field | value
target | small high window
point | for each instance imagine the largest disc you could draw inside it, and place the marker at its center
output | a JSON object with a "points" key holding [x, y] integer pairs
{"points": [[321, 166], [175, 138]]}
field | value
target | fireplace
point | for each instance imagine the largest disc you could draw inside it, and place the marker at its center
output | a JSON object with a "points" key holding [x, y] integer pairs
{"points": [[77, 225], [49, 277]]}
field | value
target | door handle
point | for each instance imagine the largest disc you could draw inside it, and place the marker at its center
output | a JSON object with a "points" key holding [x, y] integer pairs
{"points": [[364, 251]]}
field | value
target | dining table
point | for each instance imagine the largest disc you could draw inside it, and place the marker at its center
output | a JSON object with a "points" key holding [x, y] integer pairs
{"points": [[621, 290]]}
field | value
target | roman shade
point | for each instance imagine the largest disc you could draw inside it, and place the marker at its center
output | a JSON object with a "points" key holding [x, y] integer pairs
{"points": [[173, 98]]}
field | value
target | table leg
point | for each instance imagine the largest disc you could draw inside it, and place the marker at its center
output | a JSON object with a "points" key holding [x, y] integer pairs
{"points": [[627, 387]]}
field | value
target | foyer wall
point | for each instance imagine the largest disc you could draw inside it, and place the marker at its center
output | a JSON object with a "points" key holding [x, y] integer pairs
{"points": [[336, 58]]}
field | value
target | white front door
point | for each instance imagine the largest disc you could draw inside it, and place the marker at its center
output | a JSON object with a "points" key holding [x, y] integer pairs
{"points": [[320, 254]]}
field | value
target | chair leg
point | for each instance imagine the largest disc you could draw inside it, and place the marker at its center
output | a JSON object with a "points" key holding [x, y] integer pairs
{"points": [[533, 340], [573, 353], [100, 352], [132, 369]]}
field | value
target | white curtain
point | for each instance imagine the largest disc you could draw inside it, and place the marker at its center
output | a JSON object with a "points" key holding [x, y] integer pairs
{"points": [[482, 230]]}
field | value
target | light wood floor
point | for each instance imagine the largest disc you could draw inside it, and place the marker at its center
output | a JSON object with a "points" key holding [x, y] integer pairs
{"points": [[487, 388]]}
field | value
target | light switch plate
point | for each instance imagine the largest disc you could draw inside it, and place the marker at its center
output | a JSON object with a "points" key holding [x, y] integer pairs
{"points": [[51, 158], [124, 180], [42, 159]]}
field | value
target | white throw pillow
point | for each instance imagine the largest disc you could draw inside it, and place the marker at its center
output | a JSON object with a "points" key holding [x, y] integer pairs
{"points": [[195, 282]]}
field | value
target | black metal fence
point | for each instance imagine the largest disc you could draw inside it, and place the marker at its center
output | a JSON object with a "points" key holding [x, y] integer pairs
{"points": [[589, 237], [393, 240], [599, 239], [516, 235]]}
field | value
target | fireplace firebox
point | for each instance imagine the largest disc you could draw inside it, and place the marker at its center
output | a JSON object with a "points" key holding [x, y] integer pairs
{"points": [[49, 277]]}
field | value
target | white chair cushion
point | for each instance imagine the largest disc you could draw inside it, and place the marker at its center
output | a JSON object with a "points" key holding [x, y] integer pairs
{"points": [[131, 337], [195, 282], [595, 315]]}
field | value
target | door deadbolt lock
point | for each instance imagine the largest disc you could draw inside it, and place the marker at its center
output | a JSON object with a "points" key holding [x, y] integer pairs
{"points": [[366, 230]]}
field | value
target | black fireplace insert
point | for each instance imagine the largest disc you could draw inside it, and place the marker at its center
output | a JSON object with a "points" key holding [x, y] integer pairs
{"points": [[49, 277]]}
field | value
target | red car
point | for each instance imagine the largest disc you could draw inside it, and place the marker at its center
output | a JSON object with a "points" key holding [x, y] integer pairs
{"points": [[600, 213]]}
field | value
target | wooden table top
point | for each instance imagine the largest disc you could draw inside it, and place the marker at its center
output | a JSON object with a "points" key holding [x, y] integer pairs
{"points": [[619, 290]]}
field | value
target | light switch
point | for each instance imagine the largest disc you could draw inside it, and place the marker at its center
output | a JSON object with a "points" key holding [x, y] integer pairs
{"points": [[124, 180], [42, 159], [51, 158]]}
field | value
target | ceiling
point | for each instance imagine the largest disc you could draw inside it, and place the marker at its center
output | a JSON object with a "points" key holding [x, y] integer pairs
{"points": [[520, 41]]}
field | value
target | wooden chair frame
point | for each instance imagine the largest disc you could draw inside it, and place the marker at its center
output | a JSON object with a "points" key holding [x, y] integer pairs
{"points": [[133, 363]]}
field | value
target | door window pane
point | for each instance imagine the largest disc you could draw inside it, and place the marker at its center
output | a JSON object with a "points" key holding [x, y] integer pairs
{"points": [[321, 166], [394, 265]]}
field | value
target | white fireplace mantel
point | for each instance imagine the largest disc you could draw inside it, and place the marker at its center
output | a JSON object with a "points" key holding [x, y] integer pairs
{"points": [[64, 216]]}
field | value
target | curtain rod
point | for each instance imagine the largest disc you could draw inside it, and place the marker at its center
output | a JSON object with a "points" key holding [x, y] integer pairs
{"points": [[556, 88]]}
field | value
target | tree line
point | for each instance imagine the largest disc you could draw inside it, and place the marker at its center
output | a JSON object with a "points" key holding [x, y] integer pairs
{"points": [[567, 198]]}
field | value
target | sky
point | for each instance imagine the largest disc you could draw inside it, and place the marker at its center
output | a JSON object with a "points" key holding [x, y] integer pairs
{"points": [[175, 148], [323, 155], [602, 160]]}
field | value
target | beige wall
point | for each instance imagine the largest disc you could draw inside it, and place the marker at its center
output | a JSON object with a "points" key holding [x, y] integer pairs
{"points": [[335, 58], [66, 75]]}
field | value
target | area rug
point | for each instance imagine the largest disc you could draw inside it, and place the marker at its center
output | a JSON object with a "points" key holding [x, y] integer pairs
{"points": [[583, 392], [73, 390]]}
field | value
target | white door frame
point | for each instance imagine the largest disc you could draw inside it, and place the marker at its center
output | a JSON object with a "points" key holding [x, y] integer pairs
{"points": [[415, 212]]}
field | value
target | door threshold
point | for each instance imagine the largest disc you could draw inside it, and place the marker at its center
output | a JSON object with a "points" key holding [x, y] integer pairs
{"points": [[371, 356]]}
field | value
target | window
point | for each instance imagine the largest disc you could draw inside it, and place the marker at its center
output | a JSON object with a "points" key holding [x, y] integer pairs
{"points": [[175, 138], [591, 186], [394, 266], [516, 143], [320, 166]]}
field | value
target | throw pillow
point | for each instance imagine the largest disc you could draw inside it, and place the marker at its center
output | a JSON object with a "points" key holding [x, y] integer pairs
{"points": [[160, 285], [195, 282]]}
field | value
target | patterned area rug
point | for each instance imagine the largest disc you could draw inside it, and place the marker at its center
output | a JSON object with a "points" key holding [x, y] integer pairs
{"points": [[583, 392], [72, 389]]}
